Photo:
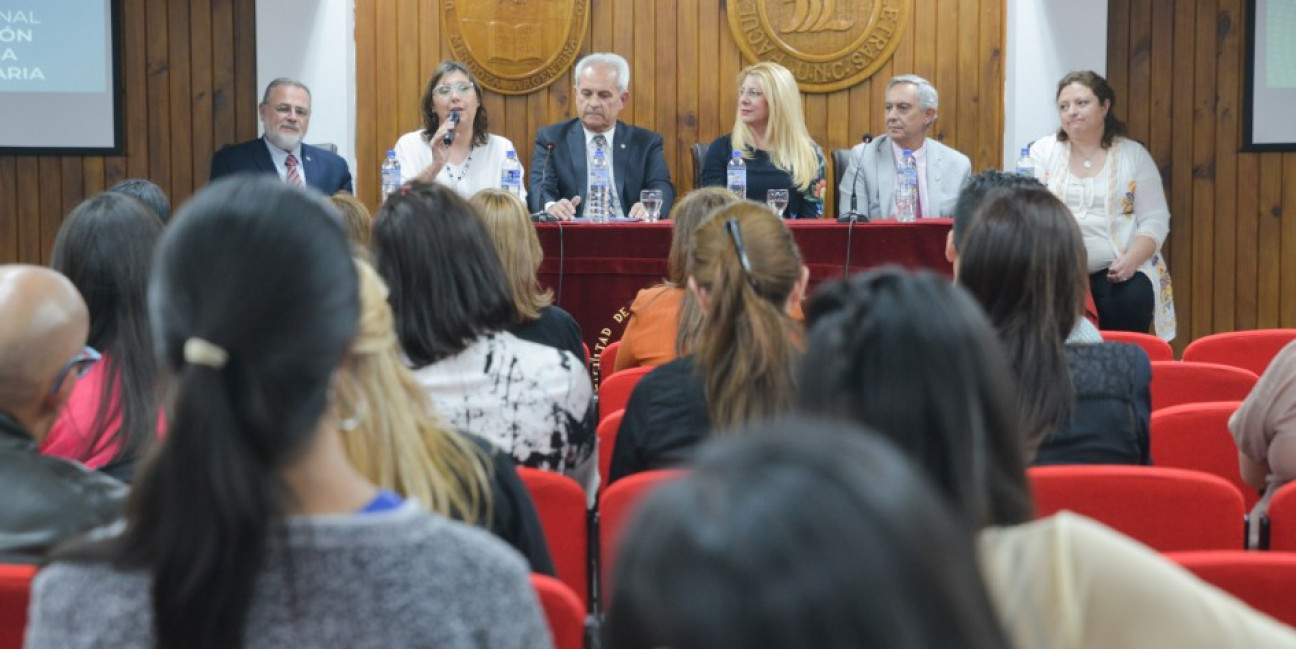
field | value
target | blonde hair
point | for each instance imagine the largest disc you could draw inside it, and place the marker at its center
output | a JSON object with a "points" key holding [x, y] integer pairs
{"points": [[747, 348], [400, 441], [356, 219], [685, 217], [786, 138], [518, 247]]}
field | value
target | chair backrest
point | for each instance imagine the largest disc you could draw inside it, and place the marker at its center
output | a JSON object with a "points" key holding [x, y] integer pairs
{"points": [[560, 504], [607, 435], [607, 359], [15, 593], [327, 146], [614, 391], [563, 610], [699, 154], [616, 507], [1195, 436], [1266, 581], [840, 160], [1157, 349], [1281, 517], [1168, 509], [1179, 382], [1250, 350]]}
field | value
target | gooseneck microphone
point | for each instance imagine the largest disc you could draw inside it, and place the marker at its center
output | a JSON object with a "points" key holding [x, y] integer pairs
{"points": [[851, 216], [542, 216], [449, 136]]}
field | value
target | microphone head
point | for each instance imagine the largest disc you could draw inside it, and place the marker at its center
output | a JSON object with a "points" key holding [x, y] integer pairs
{"points": [[449, 136]]}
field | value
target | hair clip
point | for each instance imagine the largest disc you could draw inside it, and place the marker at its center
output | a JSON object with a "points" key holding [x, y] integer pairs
{"points": [[731, 226]]}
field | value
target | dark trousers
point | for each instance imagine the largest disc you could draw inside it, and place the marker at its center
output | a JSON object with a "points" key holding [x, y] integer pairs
{"points": [[1123, 306]]}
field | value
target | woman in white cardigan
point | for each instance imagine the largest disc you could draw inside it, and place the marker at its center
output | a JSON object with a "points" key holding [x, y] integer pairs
{"points": [[1112, 186]]}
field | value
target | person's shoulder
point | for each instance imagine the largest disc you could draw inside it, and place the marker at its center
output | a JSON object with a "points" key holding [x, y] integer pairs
{"points": [[952, 153], [554, 132], [89, 594], [413, 137], [239, 149], [654, 295], [538, 360], [638, 134], [1108, 367], [499, 142], [321, 154]]}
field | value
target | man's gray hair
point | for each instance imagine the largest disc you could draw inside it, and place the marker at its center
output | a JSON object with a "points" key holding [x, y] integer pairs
{"points": [[927, 97], [606, 58], [282, 81]]}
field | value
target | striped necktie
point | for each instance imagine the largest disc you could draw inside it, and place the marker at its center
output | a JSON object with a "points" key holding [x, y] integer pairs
{"points": [[294, 178]]}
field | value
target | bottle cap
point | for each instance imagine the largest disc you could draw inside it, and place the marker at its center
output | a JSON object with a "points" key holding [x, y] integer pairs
{"points": [[737, 153], [906, 152]]}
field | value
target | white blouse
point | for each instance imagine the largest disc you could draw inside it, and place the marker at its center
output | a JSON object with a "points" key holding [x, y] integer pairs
{"points": [[480, 170]]}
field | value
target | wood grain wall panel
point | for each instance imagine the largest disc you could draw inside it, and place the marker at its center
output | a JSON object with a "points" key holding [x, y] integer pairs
{"points": [[189, 76], [1177, 66], [683, 63]]}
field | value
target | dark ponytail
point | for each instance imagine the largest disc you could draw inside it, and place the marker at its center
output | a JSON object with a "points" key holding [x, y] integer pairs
{"points": [[253, 301], [746, 349]]}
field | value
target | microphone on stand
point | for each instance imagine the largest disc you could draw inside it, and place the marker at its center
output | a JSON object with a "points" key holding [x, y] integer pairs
{"points": [[852, 216], [448, 138], [542, 216]]}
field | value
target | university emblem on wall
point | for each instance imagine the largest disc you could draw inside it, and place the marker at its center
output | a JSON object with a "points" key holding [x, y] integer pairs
{"points": [[516, 46], [827, 44]]}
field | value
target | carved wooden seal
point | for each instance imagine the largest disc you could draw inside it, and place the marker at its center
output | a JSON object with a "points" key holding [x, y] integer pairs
{"points": [[827, 44], [516, 46]]}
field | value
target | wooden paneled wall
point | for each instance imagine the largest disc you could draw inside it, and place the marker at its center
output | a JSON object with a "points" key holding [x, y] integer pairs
{"points": [[189, 72], [683, 63], [1177, 68]]}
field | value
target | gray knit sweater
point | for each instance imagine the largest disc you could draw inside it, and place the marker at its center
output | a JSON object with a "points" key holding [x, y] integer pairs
{"points": [[403, 578]]}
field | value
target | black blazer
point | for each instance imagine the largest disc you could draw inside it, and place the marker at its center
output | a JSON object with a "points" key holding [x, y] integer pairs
{"points": [[637, 164], [324, 170]]}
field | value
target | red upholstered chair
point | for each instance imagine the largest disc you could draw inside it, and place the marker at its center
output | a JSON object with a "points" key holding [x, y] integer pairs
{"points": [[1180, 382], [1250, 350], [616, 507], [1195, 436], [1168, 509], [1281, 518], [614, 391], [563, 610], [607, 359], [1157, 349], [560, 504], [1264, 580], [15, 592], [607, 434]]}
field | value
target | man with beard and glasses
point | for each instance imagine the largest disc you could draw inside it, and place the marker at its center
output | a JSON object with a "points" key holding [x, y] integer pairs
{"points": [[871, 175], [285, 113], [564, 151]]}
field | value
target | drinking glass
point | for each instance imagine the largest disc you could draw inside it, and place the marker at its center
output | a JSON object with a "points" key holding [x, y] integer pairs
{"points": [[777, 200], [652, 202]]}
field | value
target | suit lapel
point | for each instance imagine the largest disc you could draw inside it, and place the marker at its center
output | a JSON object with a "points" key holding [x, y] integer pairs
{"points": [[309, 162], [261, 156], [576, 144], [935, 160], [885, 162], [621, 158]]}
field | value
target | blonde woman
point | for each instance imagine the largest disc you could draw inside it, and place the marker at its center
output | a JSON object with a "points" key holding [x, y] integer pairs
{"points": [[538, 320], [396, 439], [770, 134], [356, 218]]}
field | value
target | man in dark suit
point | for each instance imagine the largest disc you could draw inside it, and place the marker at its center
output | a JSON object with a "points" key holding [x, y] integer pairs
{"points": [[285, 114], [563, 151]]}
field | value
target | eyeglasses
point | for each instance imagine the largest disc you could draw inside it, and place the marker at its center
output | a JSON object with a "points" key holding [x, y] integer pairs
{"points": [[285, 110], [80, 364], [750, 92], [445, 89], [731, 226]]}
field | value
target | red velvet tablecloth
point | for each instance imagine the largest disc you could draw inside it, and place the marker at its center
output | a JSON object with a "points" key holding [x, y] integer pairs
{"points": [[595, 270]]}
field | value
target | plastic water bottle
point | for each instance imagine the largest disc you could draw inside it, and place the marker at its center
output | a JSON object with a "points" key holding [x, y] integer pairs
{"points": [[391, 174], [511, 175], [737, 176], [906, 191], [596, 207], [1025, 167]]}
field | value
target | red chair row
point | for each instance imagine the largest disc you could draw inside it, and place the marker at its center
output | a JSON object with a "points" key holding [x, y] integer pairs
{"points": [[1249, 350]]}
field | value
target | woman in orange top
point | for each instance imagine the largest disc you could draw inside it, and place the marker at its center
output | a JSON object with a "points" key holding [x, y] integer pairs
{"points": [[663, 321]]}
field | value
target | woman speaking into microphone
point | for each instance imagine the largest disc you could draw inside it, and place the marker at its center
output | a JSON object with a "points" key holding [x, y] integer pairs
{"points": [[454, 148]]}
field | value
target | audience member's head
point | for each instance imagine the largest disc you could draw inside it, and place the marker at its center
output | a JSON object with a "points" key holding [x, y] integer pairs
{"points": [[447, 283], [1024, 261], [798, 534], [510, 228], [685, 218], [105, 246], [913, 357], [745, 271], [394, 435], [355, 218], [41, 345], [254, 304], [147, 193], [970, 197]]}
